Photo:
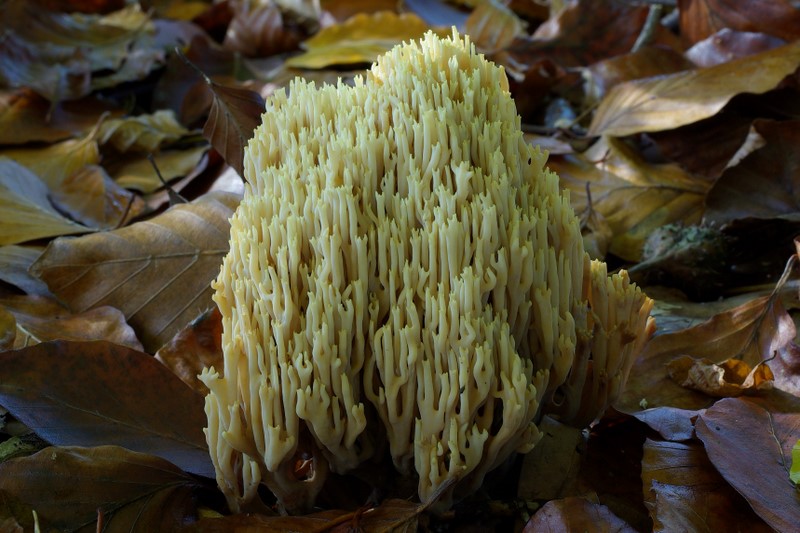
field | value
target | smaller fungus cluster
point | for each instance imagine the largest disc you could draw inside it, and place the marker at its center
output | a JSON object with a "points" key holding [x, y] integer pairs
{"points": [[405, 275]]}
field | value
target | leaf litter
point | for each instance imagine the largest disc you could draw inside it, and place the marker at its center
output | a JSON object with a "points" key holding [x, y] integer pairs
{"points": [[679, 156]]}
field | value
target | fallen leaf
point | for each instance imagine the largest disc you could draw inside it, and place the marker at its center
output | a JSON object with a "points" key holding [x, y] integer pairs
{"points": [[260, 30], [197, 346], [702, 18], [585, 32], [40, 319], [95, 393], [56, 162], [750, 446], [794, 473], [235, 114], [576, 515], [14, 264], [617, 177], [752, 332], [72, 488], [15, 517], [66, 56], [360, 39], [390, 516], [146, 133], [92, 198], [766, 183], [157, 272], [23, 118], [493, 26], [685, 493], [728, 44], [136, 171], [674, 100], [729, 378], [550, 470], [671, 423], [25, 209]]}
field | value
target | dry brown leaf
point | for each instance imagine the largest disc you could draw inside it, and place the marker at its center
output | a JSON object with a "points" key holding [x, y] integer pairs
{"points": [[671, 423], [96, 393], [157, 272], [23, 118], [729, 378], [685, 493], [260, 30], [493, 26], [550, 471], [728, 44], [56, 162], [40, 319], [360, 39], [235, 113], [195, 347], [66, 56], [92, 198], [14, 264], [25, 209], [766, 183], [617, 179], [671, 101], [73, 488], [145, 133], [752, 332], [136, 171], [750, 444], [576, 515], [702, 18]]}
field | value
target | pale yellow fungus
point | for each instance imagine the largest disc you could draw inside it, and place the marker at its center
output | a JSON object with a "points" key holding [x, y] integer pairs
{"points": [[403, 267]]}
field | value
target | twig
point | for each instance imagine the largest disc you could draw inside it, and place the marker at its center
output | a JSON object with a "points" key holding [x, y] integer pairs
{"points": [[649, 29]]}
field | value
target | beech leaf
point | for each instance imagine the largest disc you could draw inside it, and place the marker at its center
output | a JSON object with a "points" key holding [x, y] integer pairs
{"points": [[576, 515], [25, 209], [674, 100], [157, 272], [234, 114], [684, 492], [750, 444], [143, 132], [95, 393], [71, 487]]}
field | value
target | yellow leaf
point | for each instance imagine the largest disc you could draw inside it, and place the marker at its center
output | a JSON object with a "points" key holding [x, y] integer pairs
{"points": [[55, 163], [667, 102], [144, 132], [25, 210], [493, 26], [137, 172], [359, 39], [729, 378]]}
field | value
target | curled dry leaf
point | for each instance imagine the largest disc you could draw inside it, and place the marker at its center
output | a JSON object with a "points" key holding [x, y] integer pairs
{"points": [[752, 332], [576, 515], [684, 492], [493, 26], [671, 101], [95, 393], [157, 272], [728, 44], [197, 346], [25, 209], [260, 30], [39, 319], [750, 444], [71, 488], [727, 379], [360, 39], [671, 423], [23, 118], [145, 133]]}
